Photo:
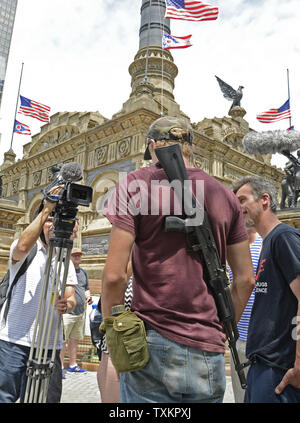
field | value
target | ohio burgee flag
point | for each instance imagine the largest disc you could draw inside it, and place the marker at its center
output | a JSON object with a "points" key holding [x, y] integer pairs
{"points": [[170, 41]]}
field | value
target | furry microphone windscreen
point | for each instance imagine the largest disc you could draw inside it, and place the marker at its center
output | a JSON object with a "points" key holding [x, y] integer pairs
{"points": [[271, 142], [71, 172]]}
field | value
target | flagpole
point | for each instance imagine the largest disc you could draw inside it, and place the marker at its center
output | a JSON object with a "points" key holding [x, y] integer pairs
{"points": [[162, 82], [162, 69], [148, 38], [288, 84], [12, 136]]}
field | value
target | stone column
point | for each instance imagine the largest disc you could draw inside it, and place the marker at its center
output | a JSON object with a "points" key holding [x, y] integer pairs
{"points": [[153, 23]]}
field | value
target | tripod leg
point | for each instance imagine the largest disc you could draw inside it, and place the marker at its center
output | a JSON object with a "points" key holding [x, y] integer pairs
{"points": [[43, 347], [40, 365], [43, 395], [66, 259]]}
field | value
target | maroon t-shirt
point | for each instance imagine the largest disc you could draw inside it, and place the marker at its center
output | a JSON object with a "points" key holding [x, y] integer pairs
{"points": [[168, 287]]}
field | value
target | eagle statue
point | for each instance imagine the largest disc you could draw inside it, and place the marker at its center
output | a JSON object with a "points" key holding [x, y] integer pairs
{"points": [[231, 94]]}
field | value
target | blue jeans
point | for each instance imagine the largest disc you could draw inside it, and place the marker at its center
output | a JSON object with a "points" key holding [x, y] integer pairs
{"points": [[175, 373], [13, 379], [261, 383]]}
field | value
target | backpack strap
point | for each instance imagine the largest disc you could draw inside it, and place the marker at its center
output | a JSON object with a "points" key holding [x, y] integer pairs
{"points": [[21, 271]]}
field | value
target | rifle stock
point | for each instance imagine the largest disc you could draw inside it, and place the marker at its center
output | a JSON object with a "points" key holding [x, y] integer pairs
{"points": [[202, 242]]}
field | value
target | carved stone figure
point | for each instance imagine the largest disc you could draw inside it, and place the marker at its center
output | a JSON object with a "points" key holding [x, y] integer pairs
{"points": [[287, 188], [37, 178], [124, 147], [291, 183], [101, 155], [15, 186]]}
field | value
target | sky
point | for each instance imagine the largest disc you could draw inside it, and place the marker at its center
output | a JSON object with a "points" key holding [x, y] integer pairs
{"points": [[76, 55]]}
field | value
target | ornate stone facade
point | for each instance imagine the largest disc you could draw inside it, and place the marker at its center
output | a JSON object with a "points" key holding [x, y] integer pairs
{"points": [[10, 216], [106, 149]]}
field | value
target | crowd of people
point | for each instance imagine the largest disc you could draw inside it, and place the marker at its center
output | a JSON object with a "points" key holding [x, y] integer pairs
{"points": [[182, 336]]}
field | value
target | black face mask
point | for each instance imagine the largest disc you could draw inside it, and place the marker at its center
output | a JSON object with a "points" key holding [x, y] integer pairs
{"points": [[43, 239]]}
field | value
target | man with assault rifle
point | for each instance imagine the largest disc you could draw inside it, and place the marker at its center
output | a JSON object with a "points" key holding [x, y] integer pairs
{"points": [[180, 289]]}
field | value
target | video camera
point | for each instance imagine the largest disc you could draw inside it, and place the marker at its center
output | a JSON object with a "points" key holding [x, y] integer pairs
{"points": [[71, 196]]}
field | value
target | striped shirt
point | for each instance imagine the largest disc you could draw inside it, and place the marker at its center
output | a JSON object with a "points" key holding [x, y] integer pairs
{"points": [[127, 305], [243, 323]]}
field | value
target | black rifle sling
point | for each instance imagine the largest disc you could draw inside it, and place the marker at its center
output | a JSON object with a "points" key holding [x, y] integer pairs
{"points": [[214, 273], [21, 271]]}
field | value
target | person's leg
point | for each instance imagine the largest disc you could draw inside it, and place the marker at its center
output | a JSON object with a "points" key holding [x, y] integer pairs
{"points": [[62, 359], [108, 380], [72, 350], [238, 391], [74, 335], [55, 382], [13, 361], [68, 323], [99, 376], [62, 354]]}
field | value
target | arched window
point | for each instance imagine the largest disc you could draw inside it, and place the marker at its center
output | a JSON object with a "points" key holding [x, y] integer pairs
{"points": [[103, 200]]}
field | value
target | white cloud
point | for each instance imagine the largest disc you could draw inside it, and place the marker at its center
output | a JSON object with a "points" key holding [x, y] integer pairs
{"points": [[77, 55]]}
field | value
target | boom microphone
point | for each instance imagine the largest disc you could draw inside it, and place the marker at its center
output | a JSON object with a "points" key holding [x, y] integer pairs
{"points": [[62, 174], [271, 142]]}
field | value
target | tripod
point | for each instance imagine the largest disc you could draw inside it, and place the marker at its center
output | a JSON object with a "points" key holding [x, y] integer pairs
{"points": [[47, 323], [40, 363]]}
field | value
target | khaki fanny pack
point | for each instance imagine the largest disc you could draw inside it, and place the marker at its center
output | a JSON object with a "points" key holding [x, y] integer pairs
{"points": [[126, 341]]}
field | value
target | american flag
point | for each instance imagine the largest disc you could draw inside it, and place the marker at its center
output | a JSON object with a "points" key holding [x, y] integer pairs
{"points": [[274, 115], [21, 128], [34, 109], [190, 10], [170, 41]]}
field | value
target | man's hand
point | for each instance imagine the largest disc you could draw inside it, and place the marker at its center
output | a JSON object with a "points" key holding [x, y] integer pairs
{"points": [[61, 305], [292, 377], [53, 194], [89, 300]]}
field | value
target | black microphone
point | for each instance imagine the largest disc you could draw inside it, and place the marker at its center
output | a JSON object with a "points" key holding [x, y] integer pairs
{"points": [[271, 142]]}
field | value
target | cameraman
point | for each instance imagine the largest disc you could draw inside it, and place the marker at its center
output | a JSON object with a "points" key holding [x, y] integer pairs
{"points": [[16, 334]]}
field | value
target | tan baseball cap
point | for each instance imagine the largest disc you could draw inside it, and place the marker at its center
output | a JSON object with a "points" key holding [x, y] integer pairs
{"points": [[165, 128], [76, 251]]}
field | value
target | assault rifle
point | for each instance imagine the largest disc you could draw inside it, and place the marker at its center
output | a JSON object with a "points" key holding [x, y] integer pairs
{"points": [[201, 240]]}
